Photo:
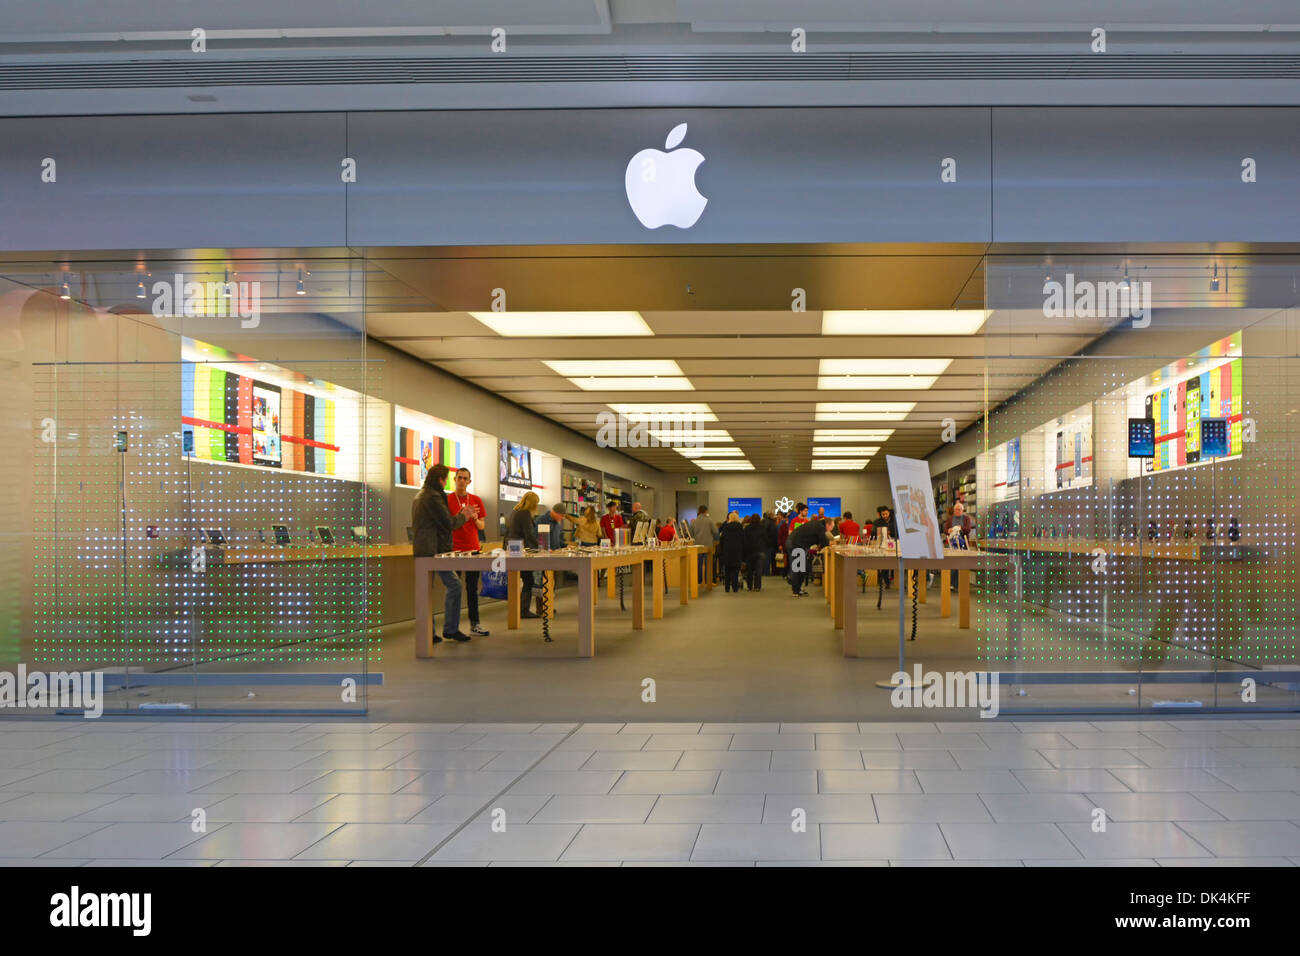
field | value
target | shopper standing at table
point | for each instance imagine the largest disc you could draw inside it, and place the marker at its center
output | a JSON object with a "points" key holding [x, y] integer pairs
{"points": [[610, 521], [432, 525], [771, 538], [731, 547], [885, 519], [520, 526], [755, 554], [588, 532], [808, 536], [555, 519], [667, 531], [849, 529], [466, 538], [639, 517], [705, 533]]}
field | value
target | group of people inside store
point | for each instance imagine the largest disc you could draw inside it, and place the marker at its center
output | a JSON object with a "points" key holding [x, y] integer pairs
{"points": [[745, 550]]}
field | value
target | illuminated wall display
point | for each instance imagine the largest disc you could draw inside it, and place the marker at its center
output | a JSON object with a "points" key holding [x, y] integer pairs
{"points": [[422, 441]]}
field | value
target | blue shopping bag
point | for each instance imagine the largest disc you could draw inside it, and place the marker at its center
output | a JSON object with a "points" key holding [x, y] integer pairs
{"points": [[493, 584]]}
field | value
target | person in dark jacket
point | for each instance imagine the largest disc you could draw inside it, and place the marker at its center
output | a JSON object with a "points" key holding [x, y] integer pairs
{"points": [[522, 526], [770, 541], [755, 553], [731, 546], [432, 525], [885, 519], [801, 542]]}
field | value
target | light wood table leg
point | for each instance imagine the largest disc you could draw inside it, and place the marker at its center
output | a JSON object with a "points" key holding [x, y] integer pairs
{"points": [[550, 590], [694, 562], [512, 600], [595, 586], [920, 585], [657, 587], [424, 620], [849, 603], [638, 597], [684, 579], [945, 594], [828, 579], [846, 585], [871, 579], [610, 574], [963, 599], [586, 616]]}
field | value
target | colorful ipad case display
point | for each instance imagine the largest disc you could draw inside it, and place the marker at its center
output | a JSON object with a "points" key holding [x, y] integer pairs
{"points": [[1179, 408], [240, 420], [418, 450]]}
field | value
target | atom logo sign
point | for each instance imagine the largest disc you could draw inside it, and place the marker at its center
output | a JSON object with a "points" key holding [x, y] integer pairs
{"points": [[783, 505]]}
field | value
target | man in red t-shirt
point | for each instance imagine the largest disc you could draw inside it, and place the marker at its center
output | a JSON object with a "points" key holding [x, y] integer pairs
{"points": [[465, 538], [849, 529], [610, 520]]}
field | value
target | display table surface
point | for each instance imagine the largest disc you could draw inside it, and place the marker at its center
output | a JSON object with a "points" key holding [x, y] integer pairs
{"points": [[274, 554], [1185, 550], [586, 563], [843, 562]]}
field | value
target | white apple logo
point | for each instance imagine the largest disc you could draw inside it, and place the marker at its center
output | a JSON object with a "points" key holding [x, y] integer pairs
{"points": [[661, 186]]}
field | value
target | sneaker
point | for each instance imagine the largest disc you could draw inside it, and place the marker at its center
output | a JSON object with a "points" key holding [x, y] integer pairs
{"points": [[528, 614], [479, 631], [458, 636], [437, 639]]}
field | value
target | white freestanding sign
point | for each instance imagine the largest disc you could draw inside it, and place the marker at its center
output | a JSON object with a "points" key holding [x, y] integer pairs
{"points": [[918, 524]]}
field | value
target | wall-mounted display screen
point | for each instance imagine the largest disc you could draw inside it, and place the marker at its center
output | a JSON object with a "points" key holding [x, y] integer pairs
{"points": [[1013, 463], [1179, 408], [1141, 437], [831, 507], [516, 468], [422, 441], [235, 418], [1214, 438], [745, 506]]}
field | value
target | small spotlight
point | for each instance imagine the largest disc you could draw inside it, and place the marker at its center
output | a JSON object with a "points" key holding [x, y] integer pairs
{"points": [[64, 291], [139, 289], [302, 288], [226, 288], [1214, 280]]}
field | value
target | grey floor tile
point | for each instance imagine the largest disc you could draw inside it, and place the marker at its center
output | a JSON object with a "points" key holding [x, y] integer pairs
{"points": [[126, 760], [1259, 778], [723, 759], [1089, 739], [356, 781], [668, 727], [261, 807], [458, 781], [262, 781], [566, 781], [513, 760], [531, 741], [1153, 806], [409, 743], [634, 760], [257, 841], [1182, 779], [584, 741], [269, 740], [848, 727], [489, 728], [524, 842], [883, 841], [30, 838], [241, 759], [942, 742], [1246, 861], [58, 781], [909, 760], [1000, 841], [1264, 756], [459, 807], [1126, 863], [596, 808], [1130, 726], [168, 781], [384, 841], [1257, 805], [1007, 759], [132, 841], [767, 781], [564, 760], [1184, 757], [817, 760], [1245, 838], [1076, 781], [932, 808], [708, 808], [280, 863], [897, 727], [819, 808], [970, 781], [667, 781], [741, 728], [361, 807], [52, 807], [422, 728], [1196, 740], [357, 760], [782, 741], [755, 841], [166, 864], [979, 725], [354, 741], [1038, 807], [1090, 759], [151, 807], [1134, 840], [1026, 742], [885, 742], [555, 728], [689, 742], [653, 841], [868, 781]]}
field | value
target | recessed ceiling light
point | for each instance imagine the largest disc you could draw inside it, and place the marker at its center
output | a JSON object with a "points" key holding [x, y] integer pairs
{"points": [[691, 435], [724, 465], [710, 452], [824, 464], [898, 366], [845, 450], [544, 324], [615, 384], [659, 412], [852, 434], [876, 383], [905, 322], [605, 368], [862, 411]]}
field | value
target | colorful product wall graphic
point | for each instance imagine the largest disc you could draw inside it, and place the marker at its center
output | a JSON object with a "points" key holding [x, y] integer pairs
{"points": [[240, 420], [418, 450], [1179, 408]]}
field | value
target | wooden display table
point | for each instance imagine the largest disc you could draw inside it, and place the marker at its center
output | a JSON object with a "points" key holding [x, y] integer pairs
{"points": [[584, 563], [273, 554]]}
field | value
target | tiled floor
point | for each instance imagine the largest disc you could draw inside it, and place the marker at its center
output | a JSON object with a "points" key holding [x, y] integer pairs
{"points": [[200, 793]]}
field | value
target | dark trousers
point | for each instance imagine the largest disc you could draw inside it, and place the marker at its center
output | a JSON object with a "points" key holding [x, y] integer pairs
{"points": [[754, 569], [471, 596], [525, 589], [797, 579], [732, 574]]}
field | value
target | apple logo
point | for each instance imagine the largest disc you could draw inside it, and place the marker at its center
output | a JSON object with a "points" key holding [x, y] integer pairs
{"points": [[661, 185]]}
